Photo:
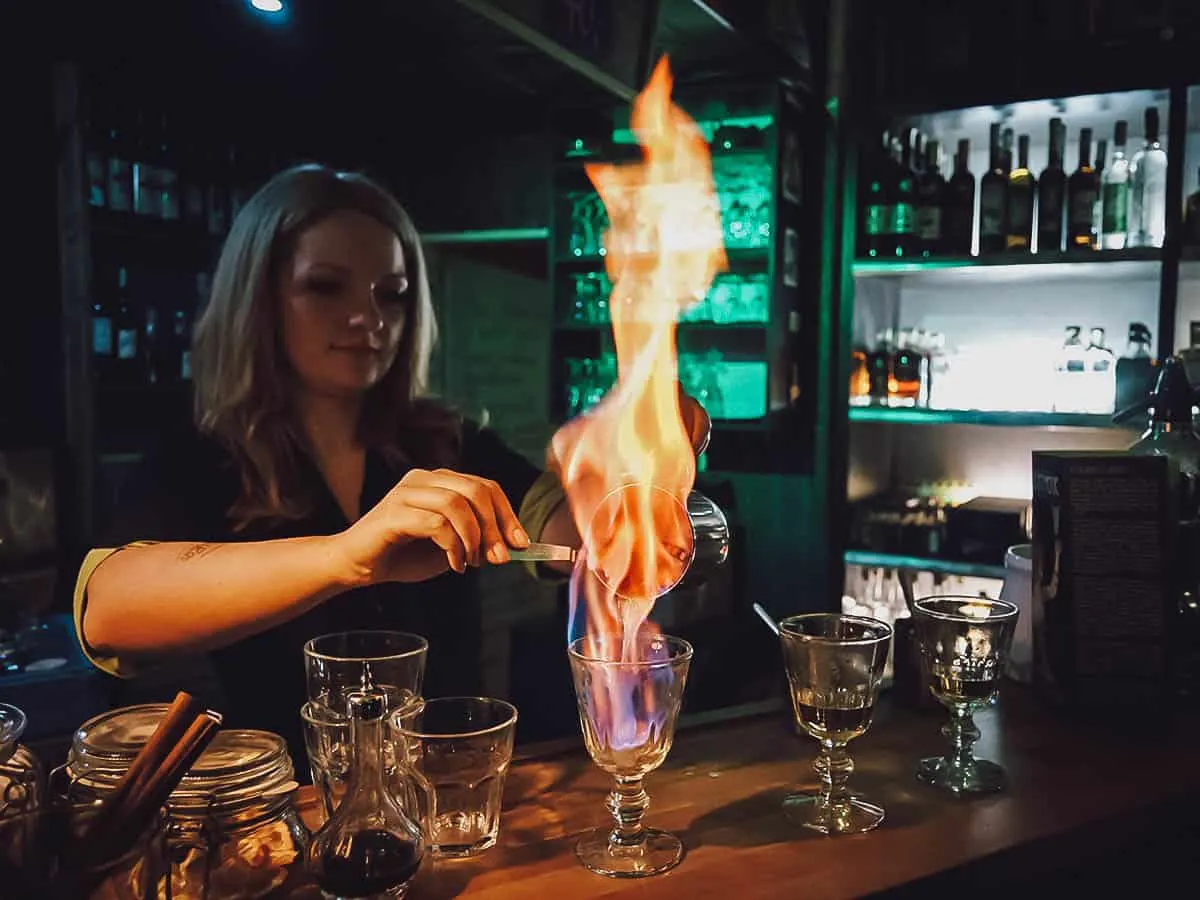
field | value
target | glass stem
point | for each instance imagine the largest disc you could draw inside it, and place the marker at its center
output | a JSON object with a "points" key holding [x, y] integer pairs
{"points": [[962, 733], [835, 767], [628, 803]]}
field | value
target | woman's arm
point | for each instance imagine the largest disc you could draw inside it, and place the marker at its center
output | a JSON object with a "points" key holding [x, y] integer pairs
{"points": [[188, 597]]}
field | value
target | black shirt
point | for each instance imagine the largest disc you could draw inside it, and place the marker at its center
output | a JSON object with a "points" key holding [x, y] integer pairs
{"points": [[184, 492]]}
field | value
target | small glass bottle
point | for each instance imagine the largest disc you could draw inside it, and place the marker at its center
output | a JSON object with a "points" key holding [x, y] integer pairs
{"points": [[1136, 369], [1069, 371], [860, 378], [370, 847]]}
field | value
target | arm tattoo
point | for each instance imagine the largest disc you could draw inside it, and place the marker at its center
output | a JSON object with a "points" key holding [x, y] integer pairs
{"points": [[195, 551]]}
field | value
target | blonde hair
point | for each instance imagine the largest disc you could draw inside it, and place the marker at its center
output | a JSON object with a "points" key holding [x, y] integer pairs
{"points": [[242, 380]]}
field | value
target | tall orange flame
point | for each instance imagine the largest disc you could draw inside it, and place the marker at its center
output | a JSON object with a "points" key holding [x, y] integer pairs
{"points": [[628, 466]]}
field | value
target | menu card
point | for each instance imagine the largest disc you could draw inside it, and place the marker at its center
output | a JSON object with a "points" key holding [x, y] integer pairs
{"points": [[1104, 529]]}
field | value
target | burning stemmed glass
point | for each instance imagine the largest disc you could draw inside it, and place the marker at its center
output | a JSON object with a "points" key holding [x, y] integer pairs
{"points": [[834, 665], [964, 645], [628, 710]]}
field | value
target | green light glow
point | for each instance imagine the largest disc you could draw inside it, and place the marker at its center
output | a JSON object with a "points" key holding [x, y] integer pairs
{"points": [[626, 136], [916, 563]]}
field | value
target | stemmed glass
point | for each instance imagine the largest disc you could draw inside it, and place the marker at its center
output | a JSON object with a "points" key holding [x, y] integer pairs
{"points": [[964, 645], [834, 665], [628, 712]]}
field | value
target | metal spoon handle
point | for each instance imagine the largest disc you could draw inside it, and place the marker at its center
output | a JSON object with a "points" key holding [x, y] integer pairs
{"points": [[543, 553]]}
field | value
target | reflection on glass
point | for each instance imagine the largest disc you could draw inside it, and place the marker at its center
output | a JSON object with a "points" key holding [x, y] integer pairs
{"points": [[834, 667], [964, 645]]}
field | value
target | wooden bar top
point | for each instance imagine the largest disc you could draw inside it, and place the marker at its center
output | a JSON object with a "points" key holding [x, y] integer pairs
{"points": [[1076, 791]]}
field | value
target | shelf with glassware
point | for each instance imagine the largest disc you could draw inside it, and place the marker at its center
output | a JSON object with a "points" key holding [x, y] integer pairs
{"points": [[888, 561], [734, 343], [998, 301]]}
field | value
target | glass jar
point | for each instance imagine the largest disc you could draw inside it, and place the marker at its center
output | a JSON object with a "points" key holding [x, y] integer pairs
{"points": [[234, 830], [20, 772], [20, 782]]}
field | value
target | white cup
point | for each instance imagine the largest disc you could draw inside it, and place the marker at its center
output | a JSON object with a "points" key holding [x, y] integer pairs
{"points": [[1018, 590]]}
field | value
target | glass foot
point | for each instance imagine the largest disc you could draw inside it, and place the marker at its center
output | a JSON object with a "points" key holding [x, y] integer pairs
{"points": [[659, 852], [853, 817], [978, 777]]}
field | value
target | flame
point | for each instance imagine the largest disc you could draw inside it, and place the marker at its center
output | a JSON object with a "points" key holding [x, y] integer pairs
{"points": [[628, 465]]}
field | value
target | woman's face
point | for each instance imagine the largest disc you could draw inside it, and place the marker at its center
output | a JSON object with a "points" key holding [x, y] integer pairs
{"points": [[345, 300]]}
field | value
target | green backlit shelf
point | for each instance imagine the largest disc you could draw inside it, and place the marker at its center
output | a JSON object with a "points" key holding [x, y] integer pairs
{"points": [[978, 417], [920, 564], [1138, 262], [740, 258]]}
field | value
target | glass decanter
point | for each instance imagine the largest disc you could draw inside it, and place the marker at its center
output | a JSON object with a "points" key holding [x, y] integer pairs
{"points": [[371, 847]]}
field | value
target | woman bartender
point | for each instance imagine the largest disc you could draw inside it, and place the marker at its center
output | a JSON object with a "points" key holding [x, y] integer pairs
{"points": [[318, 490]]}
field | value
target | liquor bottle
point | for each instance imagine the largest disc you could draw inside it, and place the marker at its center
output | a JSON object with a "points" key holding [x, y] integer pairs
{"points": [[860, 378], [170, 201], [960, 204], [993, 197], [1052, 189], [1148, 189], [1136, 369], [1190, 355], [1082, 190], [879, 363], [147, 190], [95, 155], [904, 210], [1006, 146], [1070, 373], [1114, 194], [151, 347], [1100, 373], [119, 179], [1171, 433], [939, 368], [874, 206], [931, 198], [127, 327], [1191, 219], [102, 333], [1098, 208], [1019, 211], [909, 380]]}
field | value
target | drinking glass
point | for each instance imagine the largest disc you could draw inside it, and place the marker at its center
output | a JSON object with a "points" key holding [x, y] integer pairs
{"points": [[964, 645], [388, 662], [834, 666], [460, 747], [628, 711]]}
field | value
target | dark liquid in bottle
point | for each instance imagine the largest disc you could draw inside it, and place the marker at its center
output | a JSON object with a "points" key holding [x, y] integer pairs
{"points": [[374, 861]]}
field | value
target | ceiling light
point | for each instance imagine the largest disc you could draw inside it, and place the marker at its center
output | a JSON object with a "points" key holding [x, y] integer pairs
{"points": [[268, 6]]}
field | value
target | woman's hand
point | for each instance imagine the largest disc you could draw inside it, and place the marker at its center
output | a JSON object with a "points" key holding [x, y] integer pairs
{"points": [[428, 523]]}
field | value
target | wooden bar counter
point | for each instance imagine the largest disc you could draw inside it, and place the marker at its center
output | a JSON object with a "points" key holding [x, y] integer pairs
{"points": [[1088, 809]]}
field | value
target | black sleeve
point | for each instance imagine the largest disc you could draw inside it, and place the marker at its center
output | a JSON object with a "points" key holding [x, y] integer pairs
{"points": [[485, 454], [178, 492]]}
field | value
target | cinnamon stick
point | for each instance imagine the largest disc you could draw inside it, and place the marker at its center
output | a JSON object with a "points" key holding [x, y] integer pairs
{"points": [[147, 798], [180, 714]]}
